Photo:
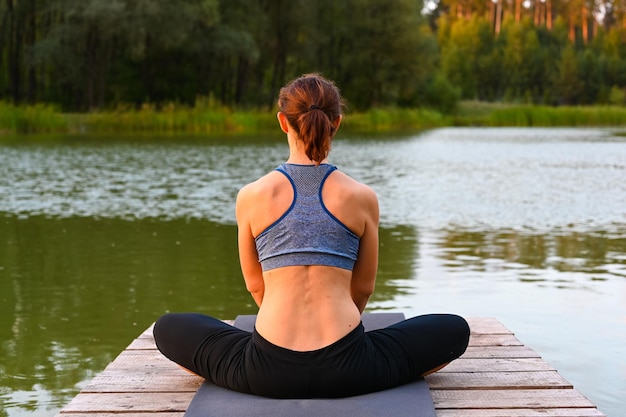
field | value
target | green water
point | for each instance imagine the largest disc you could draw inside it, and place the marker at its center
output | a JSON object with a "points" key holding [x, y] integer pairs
{"points": [[98, 238]]}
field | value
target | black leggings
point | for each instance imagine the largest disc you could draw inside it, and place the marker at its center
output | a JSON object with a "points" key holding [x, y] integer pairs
{"points": [[359, 363]]}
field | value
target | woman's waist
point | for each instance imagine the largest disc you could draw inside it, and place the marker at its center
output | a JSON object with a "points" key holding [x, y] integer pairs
{"points": [[338, 347], [308, 326]]}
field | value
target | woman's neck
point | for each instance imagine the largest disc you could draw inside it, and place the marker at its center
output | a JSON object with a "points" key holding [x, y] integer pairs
{"points": [[305, 161], [298, 156]]}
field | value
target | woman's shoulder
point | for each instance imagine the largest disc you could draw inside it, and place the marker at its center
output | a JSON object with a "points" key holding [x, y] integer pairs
{"points": [[267, 186], [259, 203], [354, 203], [346, 192], [349, 184]]}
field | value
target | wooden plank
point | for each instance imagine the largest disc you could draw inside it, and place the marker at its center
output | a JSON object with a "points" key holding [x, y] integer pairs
{"points": [[175, 382], [487, 325], [497, 380], [499, 398], [494, 340], [148, 332], [523, 412], [142, 343], [137, 355], [138, 382], [493, 352], [497, 365], [144, 402], [141, 361]]}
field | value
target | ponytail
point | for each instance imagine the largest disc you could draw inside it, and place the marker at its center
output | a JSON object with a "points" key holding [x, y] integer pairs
{"points": [[316, 131], [312, 106]]}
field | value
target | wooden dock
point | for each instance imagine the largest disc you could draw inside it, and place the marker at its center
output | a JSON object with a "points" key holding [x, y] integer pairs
{"points": [[496, 377]]}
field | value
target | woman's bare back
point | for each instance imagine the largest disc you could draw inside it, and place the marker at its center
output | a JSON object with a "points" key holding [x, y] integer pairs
{"points": [[307, 307]]}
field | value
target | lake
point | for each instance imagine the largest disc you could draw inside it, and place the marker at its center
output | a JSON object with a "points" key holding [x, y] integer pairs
{"points": [[99, 236]]}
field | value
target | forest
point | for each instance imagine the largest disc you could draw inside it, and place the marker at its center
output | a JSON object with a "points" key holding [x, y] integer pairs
{"points": [[88, 55]]}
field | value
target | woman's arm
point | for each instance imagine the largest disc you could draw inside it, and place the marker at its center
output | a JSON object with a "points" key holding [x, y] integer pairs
{"points": [[366, 266], [248, 256]]}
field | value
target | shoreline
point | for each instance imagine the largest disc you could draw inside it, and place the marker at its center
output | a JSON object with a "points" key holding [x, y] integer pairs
{"points": [[217, 121]]}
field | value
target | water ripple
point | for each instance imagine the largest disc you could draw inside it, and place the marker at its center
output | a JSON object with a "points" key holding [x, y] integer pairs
{"points": [[480, 178]]}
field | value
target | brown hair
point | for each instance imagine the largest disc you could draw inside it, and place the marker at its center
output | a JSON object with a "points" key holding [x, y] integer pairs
{"points": [[312, 104]]}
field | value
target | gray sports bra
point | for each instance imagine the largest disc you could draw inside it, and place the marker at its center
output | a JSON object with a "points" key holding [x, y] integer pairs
{"points": [[307, 233]]}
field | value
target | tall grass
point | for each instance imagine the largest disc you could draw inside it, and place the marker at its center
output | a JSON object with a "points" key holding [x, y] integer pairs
{"points": [[208, 117], [558, 116], [205, 117], [38, 118], [389, 119]]}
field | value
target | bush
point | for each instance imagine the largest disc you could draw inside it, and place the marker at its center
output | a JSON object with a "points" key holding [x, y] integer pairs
{"points": [[617, 96], [38, 118], [441, 95]]}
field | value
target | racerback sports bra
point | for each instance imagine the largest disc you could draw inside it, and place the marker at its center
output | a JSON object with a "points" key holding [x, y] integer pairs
{"points": [[307, 233]]}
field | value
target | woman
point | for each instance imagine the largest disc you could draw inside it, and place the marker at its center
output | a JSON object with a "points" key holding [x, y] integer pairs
{"points": [[308, 247]]}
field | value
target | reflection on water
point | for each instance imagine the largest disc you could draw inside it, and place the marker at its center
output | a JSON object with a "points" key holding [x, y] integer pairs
{"points": [[496, 178], [563, 294], [598, 255], [99, 239], [75, 291]]}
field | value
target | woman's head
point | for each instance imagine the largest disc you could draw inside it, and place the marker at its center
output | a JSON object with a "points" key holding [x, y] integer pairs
{"points": [[313, 107]]}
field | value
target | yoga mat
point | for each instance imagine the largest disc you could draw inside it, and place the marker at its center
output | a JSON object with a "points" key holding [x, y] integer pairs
{"points": [[412, 399]]}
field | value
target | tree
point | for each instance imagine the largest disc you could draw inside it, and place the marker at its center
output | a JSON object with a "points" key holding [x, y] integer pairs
{"points": [[390, 54], [89, 54], [522, 58], [567, 79], [590, 68], [463, 54], [12, 41], [137, 38]]}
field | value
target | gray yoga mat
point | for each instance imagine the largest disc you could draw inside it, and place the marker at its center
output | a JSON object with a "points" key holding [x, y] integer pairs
{"points": [[412, 399]]}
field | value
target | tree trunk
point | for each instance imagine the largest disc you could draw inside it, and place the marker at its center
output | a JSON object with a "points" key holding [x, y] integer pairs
{"points": [[14, 53], [498, 16], [549, 14], [90, 60], [538, 13], [103, 66], [281, 47], [32, 38], [3, 30], [518, 10], [242, 79]]}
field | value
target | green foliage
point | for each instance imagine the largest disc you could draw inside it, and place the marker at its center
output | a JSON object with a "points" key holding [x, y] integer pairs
{"points": [[558, 116], [528, 62], [390, 119], [386, 53], [85, 55], [440, 94], [468, 43], [617, 96], [205, 117], [30, 119], [208, 117], [567, 81]]}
